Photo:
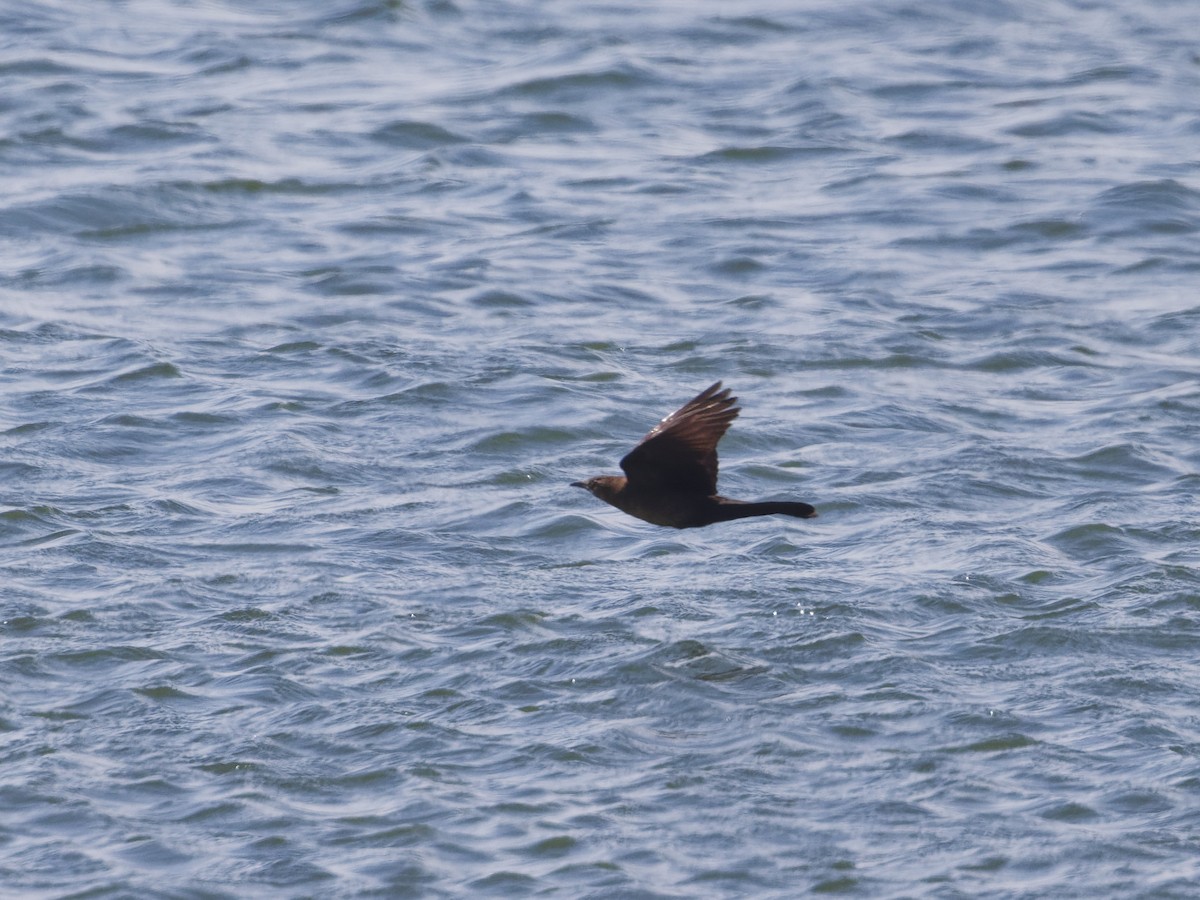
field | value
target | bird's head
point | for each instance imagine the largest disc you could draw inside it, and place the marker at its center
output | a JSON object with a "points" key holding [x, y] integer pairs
{"points": [[603, 486]]}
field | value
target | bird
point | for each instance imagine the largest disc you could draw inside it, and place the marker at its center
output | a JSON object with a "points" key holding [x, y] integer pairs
{"points": [[671, 475]]}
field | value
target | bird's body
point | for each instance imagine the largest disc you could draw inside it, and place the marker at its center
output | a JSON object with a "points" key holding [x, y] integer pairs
{"points": [[671, 476]]}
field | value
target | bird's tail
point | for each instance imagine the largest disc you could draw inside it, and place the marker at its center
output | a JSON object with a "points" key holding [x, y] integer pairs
{"points": [[740, 509]]}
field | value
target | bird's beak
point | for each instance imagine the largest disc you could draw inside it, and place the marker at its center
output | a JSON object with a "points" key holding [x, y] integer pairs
{"points": [[579, 484]]}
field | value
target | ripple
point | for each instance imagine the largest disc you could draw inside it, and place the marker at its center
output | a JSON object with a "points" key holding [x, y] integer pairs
{"points": [[312, 315]]}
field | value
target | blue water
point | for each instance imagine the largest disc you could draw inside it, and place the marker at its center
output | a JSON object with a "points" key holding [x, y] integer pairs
{"points": [[310, 312]]}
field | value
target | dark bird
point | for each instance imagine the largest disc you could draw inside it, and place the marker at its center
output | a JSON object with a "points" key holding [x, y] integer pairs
{"points": [[671, 476]]}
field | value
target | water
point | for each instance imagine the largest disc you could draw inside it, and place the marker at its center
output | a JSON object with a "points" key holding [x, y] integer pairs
{"points": [[310, 312]]}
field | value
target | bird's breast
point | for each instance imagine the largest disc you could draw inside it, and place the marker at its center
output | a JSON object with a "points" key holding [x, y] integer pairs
{"points": [[673, 509]]}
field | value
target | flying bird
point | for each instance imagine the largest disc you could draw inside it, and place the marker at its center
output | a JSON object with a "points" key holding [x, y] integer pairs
{"points": [[671, 476]]}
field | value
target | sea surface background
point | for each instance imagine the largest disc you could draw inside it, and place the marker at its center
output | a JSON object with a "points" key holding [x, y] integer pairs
{"points": [[311, 311]]}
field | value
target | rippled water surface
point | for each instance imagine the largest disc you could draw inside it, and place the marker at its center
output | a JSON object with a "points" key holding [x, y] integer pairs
{"points": [[310, 312]]}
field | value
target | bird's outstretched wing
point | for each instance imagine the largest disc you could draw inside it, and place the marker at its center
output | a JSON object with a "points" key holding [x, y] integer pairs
{"points": [[680, 452]]}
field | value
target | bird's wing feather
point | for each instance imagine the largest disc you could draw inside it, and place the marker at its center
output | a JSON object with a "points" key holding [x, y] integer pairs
{"points": [[680, 452]]}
